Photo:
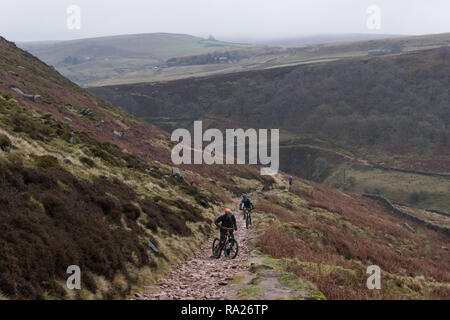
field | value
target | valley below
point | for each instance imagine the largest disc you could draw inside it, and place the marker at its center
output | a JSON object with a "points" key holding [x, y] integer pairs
{"points": [[341, 123]]}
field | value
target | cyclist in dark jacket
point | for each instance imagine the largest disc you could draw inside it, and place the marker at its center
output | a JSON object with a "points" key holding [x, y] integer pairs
{"points": [[246, 203], [227, 220]]}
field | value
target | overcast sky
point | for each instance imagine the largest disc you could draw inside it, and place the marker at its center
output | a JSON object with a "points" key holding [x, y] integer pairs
{"points": [[32, 20]]}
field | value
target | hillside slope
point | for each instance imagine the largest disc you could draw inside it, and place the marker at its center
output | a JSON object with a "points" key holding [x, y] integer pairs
{"points": [[338, 120], [84, 183]]}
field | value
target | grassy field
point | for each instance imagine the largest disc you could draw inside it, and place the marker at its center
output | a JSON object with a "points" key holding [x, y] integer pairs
{"points": [[426, 192], [427, 216]]}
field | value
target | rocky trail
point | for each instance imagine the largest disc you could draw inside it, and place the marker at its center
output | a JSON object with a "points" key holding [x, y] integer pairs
{"points": [[205, 278]]}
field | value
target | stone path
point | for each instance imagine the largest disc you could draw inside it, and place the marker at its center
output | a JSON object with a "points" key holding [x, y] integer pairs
{"points": [[203, 277]]}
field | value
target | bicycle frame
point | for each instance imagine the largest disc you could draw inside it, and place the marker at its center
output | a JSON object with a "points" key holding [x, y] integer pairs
{"points": [[247, 212], [218, 247], [227, 238]]}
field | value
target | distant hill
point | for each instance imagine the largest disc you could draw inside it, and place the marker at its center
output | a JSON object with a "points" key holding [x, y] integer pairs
{"points": [[159, 46], [104, 57], [313, 39], [163, 56], [335, 118]]}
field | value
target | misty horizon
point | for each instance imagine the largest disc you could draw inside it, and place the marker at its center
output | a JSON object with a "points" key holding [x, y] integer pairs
{"points": [[243, 39], [249, 21]]}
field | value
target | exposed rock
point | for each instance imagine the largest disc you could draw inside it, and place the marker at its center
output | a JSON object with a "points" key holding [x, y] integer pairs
{"points": [[153, 247], [29, 96], [118, 133], [157, 163], [87, 112], [176, 172], [407, 226]]}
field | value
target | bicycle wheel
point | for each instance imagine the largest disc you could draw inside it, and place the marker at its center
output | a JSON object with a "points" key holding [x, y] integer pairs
{"points": [[216, 250], [232, 248], [247, 221]]}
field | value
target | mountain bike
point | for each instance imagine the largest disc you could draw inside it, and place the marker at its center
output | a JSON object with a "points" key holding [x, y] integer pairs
{"points": [[247, 217], [229, 246]]}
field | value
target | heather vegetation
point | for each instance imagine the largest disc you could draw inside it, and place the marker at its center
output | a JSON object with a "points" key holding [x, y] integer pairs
{"points": [[83, 183], [328, 239], [72, 194], [54, 215]]}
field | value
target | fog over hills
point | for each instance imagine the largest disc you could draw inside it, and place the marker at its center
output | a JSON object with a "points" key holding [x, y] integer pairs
{"points": [[311, 39]]}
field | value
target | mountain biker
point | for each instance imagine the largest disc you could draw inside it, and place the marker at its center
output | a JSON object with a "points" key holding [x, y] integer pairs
{"points": [[290, 180], [246, 203], [227, 220]]}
